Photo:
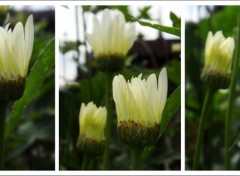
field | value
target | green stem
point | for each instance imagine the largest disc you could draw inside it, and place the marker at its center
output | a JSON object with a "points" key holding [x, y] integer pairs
{"points": [[3, 108], [201, 127], [228, 116], [86, 162], [106, 162], [136, 157]]}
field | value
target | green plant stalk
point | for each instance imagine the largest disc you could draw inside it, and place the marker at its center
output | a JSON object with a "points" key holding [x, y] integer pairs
{"points": [[3, 108], [106, 163], [228, 116], [136, 157], [201, 127], [86, 162]]}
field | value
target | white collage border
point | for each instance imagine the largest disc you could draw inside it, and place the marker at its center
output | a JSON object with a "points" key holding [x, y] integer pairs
{"points": [[182, 4]]}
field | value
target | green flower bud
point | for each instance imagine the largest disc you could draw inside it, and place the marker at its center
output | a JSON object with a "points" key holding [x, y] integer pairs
{"points": [[218, 60], [92, 121]]}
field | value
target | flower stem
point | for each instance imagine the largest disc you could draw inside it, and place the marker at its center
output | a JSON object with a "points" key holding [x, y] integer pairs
{"points": [[86, 162], [228, 116], [3, 108], [136, 157], [106, 162], [203, 117]]}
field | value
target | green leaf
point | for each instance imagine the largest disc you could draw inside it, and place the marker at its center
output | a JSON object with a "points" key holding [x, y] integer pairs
{"points": [[174, 71], [86, 8], [68, 46], [39, 71], [175, 20], [171, 30], [144, 12], [171, 107]]}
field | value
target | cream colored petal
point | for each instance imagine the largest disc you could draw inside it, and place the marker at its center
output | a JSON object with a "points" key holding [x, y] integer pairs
{"points": [[18, 48], [91, 40], [2, 48], [120, 96], [218, 38], [139, 94], [118, 20], [92, 121], [82, 113], [110, 34], [29, 39], [129, 37], [208, 45], [106, 28], [162, 88], [104, 116], [153, 98], [7, 27], [228, 46], [97, 36], [114, 35]]}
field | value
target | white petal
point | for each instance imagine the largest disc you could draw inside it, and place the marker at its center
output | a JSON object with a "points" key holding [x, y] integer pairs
{"points": [[111, 34], [129, 36], [120, 96], [162, 88], [153, 99], [29, 38], [208, 45], [18, 48]]}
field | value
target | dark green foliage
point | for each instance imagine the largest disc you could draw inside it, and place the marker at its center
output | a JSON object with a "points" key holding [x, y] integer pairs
{"points": [[175, 20], [144, 13]]}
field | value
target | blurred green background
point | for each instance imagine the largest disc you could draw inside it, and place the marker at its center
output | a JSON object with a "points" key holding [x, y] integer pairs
{"points": [[32, 143], [209, 18], [146, 56]]}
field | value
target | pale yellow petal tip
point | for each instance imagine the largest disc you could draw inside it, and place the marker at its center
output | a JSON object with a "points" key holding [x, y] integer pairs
{"points": [[29, 24], [30, 19], [218, 60], [163, 75], [218, 52], [92, 121], [163, 71]]}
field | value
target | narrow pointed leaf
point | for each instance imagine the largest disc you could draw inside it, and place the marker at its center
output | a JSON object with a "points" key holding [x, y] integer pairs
{"points": [[171, 30], [171, 107]]}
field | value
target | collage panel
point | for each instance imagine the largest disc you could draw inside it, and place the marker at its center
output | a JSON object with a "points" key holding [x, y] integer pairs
{"points": [[119, 95], [27, 87], [122, 98], [212, 88]]}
